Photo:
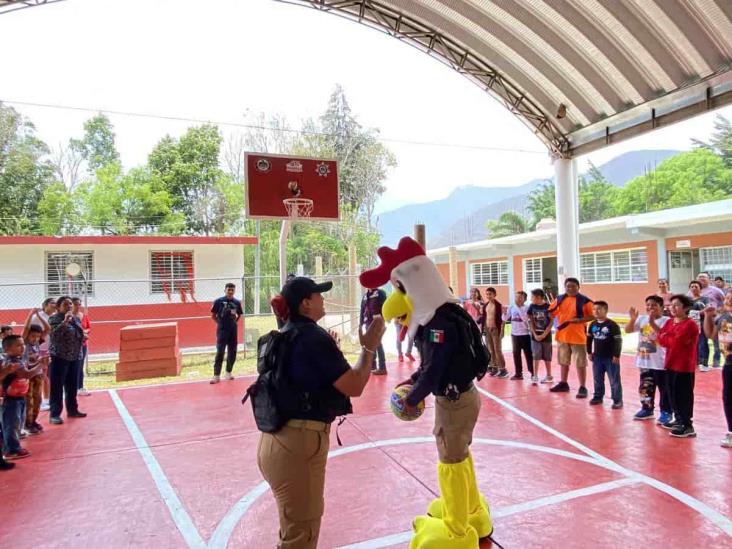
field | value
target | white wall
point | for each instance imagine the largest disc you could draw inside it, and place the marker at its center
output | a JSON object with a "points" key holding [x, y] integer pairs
{"points": [[121, 264]]}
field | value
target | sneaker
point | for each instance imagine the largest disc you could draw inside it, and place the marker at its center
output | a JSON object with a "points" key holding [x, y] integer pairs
{"points": [[5, 465], [38, 426], [410, 357], [547, 379], [33, 430], [517, 377], [535, 380], [20, 454], [595, 401], [703, 368], [581, 393], [681, 431], [561, 387], [716, 365], [665, 417], [617, 405], [215, 380], [45, 406], [379, 372], [727, 441], [55, 421], [229, 376], [76, 414], [503, 374], [83, 392], [492, 372], [401, 358], [644, 413], [23, 434], [670, 425]]}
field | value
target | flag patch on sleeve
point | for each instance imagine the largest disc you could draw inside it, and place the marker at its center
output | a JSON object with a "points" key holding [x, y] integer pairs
{"points": [[437, 336]]}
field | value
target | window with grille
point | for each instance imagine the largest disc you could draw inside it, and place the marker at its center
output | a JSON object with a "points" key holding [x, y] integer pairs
{"points": [[615, 266], [490, 274], [59, 283], [532, 271], [171, 272], [718, 261]]}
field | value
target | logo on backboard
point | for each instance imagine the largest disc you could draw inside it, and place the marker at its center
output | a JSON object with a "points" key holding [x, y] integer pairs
{"points": [[322, 169], [294, 166], [263, 165]]}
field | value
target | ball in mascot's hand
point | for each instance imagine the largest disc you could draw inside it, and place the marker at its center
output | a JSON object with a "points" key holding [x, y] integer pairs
{"points": [[397, 404]]}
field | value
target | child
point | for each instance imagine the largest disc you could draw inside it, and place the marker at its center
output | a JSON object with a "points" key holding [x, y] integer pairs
{"points": [[540, 323], [518, 315], [34, 358], [5, 371], [721, 327], [410, 342], [15, 387], [650, 359], [604, 345], [680, 336]]}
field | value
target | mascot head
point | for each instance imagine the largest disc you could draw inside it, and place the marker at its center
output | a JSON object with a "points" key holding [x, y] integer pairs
{"points": [[418, 287]]}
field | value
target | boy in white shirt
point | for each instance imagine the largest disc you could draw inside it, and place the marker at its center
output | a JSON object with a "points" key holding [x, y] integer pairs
{"points": [[650, 359], [518, 315]]}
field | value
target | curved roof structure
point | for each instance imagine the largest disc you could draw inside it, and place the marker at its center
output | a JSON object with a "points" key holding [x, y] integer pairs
{"points": [[581, 74]]}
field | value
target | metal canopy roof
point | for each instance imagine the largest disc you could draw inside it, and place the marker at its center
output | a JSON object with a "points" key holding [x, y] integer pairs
{"points": [[581, 74]]}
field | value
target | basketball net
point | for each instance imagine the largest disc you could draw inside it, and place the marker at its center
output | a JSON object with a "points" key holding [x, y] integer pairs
{"points": [[298, 208]]}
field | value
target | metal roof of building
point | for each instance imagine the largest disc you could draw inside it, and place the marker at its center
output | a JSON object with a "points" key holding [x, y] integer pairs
{"points": [[581, 74]]}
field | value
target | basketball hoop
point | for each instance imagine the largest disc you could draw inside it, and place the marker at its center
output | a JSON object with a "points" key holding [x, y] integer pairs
{"points": [[298, 207]]}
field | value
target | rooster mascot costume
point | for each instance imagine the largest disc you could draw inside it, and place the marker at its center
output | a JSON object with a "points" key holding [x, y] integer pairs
{"points": [[452, 356]]}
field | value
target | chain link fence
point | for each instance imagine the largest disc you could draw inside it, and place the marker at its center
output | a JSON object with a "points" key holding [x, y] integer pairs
{"points": [[113, 304]]}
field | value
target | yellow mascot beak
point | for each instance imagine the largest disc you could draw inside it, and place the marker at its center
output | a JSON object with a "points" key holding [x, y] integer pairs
{"points": [[397, 305]]}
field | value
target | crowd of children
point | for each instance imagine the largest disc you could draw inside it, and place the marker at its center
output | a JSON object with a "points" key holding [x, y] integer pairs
{"points": [[673, 344], [24, 377]]}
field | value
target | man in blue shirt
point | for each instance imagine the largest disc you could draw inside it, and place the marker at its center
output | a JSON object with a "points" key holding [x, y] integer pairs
{"points": [[226, 312], [371, 304]]}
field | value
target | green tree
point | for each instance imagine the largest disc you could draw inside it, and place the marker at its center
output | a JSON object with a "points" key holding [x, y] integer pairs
{"points": [[188, 168], [132, 203], [541, 203], [692, 177], [507, 224], [596, 196], [59, 211], [97, 146], [721, 141], [24, 173]]}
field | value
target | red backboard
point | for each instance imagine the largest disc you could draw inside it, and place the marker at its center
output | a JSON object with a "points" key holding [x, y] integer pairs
{"points": [[272, 178]]}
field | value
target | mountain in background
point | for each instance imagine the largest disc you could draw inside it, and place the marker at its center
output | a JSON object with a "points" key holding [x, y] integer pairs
{"points": [[461, 216]]}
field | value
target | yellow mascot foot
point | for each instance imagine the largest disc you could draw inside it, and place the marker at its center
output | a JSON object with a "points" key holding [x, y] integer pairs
{"points": [[479, 519], [432, 533]]}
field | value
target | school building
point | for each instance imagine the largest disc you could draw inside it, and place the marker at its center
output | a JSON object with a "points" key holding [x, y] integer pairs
{"points": [[620, 259], [124, 280]]}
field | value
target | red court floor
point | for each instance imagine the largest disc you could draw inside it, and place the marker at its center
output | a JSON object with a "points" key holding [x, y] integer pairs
{"points": [[174, 466]]}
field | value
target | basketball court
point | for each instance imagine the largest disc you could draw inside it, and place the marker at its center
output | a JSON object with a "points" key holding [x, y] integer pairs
{"points": [[175, 466]]}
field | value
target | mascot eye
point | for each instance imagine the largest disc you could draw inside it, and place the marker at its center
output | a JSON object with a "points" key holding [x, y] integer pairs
{"points": [[399, 286]]}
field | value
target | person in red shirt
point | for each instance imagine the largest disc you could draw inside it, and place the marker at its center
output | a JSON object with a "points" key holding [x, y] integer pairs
{"points": [[679, 337]]}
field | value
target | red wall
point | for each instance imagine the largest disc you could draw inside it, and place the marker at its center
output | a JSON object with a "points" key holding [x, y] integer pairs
{"points": [[107, 322]]}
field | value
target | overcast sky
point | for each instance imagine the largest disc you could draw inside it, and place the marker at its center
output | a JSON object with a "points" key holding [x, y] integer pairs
{"points": [[224, 60]]}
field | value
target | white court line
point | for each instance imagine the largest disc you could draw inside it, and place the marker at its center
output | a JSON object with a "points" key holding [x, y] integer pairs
{"points": [[180, 516], [714, 516], [403, 537], [224, 529]]}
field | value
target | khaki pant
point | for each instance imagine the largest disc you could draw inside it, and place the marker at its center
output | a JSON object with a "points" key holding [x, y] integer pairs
{"points": [[293, 461], [567, 351], [493, 338], [454, 424]]}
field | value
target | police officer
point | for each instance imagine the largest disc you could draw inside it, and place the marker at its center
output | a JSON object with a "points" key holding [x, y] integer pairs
{"points": [[292, 460], [226, 312]]}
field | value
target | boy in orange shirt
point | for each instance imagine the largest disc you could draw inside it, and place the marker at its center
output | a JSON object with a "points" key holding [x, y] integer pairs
{"points": [[572, 311]]}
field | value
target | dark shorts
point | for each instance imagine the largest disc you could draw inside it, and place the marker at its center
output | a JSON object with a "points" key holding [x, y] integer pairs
{"points": [[541, 350]]}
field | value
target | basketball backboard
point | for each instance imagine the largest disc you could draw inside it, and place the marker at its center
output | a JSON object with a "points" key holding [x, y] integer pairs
{"points": [[272, 179]]}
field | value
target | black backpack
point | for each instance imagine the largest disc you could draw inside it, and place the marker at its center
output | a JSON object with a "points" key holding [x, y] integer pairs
{"points": [[471, 341], [274, 400]]}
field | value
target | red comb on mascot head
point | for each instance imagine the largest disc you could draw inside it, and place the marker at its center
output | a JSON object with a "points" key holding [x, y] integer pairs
{"points": [[451, 357]]}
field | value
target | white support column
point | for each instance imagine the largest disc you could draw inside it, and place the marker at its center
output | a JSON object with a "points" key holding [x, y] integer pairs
{"points": [[662, 258], [452, 258], [567, 205]]}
